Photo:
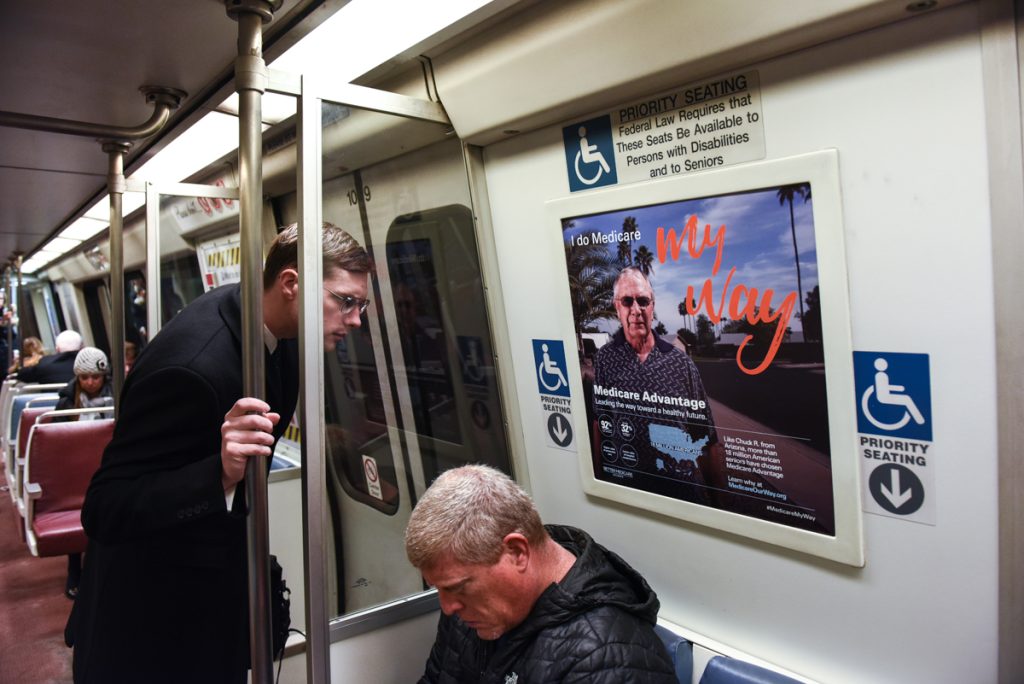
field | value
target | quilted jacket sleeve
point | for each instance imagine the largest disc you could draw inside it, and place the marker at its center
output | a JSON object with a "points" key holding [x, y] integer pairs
{"points": [[628, 653]]}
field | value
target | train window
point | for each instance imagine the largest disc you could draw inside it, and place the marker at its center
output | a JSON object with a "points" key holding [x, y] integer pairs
{"points": [[424, 345], [359, 456], [180, 283], [135, 309], [97, 311], [441, 317]]}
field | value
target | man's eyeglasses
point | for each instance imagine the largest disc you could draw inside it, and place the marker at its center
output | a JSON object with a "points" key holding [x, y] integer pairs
{"points": [[627, 302], [349, 303]]}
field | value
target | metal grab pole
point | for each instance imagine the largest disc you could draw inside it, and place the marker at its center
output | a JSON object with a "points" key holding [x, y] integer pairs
{"points": [[9, 305], [116, 187], [250, 83]]}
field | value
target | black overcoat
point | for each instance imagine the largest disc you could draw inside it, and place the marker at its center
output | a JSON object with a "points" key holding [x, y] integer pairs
{"points": [[163, 596], [53, 368]]}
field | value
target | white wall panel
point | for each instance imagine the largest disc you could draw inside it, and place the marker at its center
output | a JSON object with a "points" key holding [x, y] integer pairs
{"points": [[904, 107]]}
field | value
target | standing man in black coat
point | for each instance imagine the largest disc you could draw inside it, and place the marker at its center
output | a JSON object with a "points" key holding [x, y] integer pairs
{"points": [[163, 596]]}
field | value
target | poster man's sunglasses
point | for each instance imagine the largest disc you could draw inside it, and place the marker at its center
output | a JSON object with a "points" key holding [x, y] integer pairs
{"points": [[627, 302]]}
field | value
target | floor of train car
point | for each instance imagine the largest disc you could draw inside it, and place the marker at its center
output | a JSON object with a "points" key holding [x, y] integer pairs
{"points": [[33, 609]]}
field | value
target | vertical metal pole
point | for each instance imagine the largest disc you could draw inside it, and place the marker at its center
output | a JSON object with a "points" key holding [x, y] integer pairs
{"points": [[9, 303], [16, 316], [154, 292], [250, 83], [311, 418], [116, 187]]}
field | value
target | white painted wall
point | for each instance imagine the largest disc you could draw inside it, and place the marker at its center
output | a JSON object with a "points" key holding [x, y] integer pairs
{"points": [[904, 106]]}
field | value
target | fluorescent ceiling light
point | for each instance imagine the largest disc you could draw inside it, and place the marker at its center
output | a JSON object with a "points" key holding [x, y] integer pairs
{"points": [[274, 107], [130, 201], [84, 228], [364, 34], [100, 211], [208, 140], [61, 244]]}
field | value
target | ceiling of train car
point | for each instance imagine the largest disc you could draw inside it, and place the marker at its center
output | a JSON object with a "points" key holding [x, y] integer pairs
{"points": [[85, 61]]}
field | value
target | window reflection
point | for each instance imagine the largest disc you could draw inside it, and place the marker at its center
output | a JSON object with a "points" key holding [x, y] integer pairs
{"points": [[450, 381], [424, 346], [358, 448]]}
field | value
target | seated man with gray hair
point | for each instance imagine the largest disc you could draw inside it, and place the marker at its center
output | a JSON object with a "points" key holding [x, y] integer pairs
{"points": [[524, 602]]}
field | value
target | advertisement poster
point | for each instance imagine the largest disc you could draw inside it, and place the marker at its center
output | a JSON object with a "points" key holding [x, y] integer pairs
{"points": [[701, 346]]}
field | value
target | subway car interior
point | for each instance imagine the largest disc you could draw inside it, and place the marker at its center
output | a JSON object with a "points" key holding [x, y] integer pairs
{"points": [[823, 200]]}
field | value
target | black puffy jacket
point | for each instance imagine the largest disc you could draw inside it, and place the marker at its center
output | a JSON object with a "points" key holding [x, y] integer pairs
{"points": [[594, 626]]}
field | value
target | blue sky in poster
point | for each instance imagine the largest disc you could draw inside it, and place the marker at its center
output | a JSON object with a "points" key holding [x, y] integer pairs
{"points": [[758, 243]]}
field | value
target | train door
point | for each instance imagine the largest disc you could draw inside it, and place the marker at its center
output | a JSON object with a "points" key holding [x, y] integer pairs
{"points": [[414, 390], [96, 294], [434, 404]]}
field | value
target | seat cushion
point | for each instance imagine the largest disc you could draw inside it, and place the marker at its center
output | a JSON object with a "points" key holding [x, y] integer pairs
{"points": [[59, 533]]}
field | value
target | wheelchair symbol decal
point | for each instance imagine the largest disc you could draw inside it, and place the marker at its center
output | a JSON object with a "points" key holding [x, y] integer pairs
{"points": [[590, 153], [890, 395], [552, 378], [888, 408], [548, 370], [472, 360]]}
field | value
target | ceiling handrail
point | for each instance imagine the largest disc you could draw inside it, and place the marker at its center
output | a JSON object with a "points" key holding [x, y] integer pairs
{"points": [[164, 99]]}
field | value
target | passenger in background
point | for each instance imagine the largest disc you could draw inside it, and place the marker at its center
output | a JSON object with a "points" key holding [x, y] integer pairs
{"points": [[7, 326], [164, 595], [131, 351], [31, 352], [89, 389], [58, 367], [526, 602]]}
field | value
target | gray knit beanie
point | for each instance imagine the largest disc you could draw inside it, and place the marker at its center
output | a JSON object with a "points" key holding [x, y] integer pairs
{"points": [[91, 360]]}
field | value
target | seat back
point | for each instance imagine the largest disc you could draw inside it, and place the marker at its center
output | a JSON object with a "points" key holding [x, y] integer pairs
{"points": [[6, 394], [25, 395], [725, 670], [681, 652], [28, 419], [60, 462], [6, 389], [20, 397]]}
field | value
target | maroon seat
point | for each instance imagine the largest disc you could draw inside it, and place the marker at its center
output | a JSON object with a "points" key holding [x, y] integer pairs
{"points": [[60, 462], [26, 421]]}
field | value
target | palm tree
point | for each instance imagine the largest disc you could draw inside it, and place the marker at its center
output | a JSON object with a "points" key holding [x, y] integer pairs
{"points": [[684, 312], [626, 246], [785, 194], [644, 260], [592, 272]]}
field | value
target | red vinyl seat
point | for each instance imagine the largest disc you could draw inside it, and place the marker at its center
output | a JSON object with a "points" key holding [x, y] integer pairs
{"points": [[60, 462], [26, 421]]}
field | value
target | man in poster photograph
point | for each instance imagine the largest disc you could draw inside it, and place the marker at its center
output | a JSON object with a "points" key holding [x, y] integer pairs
{"points": [[648, 398]]}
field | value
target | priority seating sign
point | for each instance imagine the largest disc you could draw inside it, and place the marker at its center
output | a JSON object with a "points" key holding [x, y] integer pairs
{"points": [[894, 420], [552, 377]]}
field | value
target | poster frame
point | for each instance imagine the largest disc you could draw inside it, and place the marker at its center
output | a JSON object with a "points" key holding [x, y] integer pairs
{"points": [[821, 169]]}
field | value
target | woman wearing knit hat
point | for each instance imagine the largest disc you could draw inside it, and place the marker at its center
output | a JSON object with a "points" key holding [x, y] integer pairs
{"points": [[90, 389]]}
